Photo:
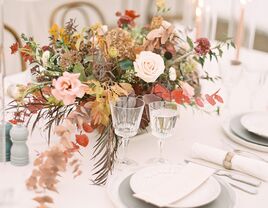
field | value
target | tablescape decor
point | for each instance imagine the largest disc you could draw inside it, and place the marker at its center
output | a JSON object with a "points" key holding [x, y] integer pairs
{"points": [[126, 117], [240, 163], [8, 141], [256, 122], [121, 194], [163, 117], [19, 149], [79, 72], [158, 185]]}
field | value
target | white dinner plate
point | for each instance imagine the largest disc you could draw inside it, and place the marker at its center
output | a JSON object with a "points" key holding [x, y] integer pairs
{"points": [[256, 123], [227, 130], [203, 195]]}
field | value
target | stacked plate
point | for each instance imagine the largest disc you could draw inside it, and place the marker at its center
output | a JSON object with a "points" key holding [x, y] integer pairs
{"points": [[250, 129], [213, 193]]}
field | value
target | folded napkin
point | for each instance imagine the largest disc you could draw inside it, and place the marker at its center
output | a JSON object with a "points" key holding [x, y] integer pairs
{"points": [[174, 188], [243, 164]]}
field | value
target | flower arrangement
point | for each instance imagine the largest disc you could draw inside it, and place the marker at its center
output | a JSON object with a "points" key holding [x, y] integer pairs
{"points": [[78, 73]]}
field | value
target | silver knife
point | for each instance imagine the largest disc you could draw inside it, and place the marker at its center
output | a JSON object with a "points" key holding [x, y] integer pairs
{"points": [[236, 177]]}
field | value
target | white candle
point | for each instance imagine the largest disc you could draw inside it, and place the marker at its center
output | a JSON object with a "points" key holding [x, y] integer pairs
{"points": [[198, 17], [240, 29]]}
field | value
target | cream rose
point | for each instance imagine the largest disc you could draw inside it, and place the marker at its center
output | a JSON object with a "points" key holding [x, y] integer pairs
{"points": [[149, 66]]}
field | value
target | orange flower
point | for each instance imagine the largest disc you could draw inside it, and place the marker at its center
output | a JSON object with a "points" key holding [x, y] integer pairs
{"points": [[14, 47], [82, 140]]}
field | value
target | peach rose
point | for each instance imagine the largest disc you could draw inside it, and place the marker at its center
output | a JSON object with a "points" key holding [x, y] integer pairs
{"points": [[149, 66], [68, 87], [187, 89]]}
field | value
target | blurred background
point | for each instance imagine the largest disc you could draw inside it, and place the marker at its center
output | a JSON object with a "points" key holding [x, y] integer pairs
{"points": [[219, 19]]}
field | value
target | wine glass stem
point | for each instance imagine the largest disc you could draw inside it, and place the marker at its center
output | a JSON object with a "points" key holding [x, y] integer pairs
{"points": [[125, 142], [161, 144]]}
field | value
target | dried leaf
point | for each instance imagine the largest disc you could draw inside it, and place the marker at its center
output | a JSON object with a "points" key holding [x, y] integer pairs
{"points": [[43, 199]]}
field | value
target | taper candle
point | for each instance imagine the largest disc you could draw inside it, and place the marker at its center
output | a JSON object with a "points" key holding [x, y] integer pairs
{"points": [[240, 30], [198, 18]]}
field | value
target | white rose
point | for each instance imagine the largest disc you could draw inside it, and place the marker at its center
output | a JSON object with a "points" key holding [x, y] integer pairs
{"points": [[172, 74], [149, 66], [45, 57]]}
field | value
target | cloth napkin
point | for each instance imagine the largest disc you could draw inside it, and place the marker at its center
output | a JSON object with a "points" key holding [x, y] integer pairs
{"points": [[243, 164], [174, 188]]}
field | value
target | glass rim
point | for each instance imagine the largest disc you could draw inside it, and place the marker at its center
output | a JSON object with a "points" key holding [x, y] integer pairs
{"points": [[162, 101], [137, 98]]}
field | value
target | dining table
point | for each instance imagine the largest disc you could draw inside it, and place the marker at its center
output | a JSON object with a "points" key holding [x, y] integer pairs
{"points": [[193, 125]]}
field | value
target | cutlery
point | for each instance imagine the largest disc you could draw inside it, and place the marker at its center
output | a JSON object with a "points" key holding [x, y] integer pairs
{"points": [[244, 187], [236, 177], [241, 152]]}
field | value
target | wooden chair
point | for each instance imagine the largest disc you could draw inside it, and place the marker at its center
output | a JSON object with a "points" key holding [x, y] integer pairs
{"points": [[78, 6], [15, 35]]}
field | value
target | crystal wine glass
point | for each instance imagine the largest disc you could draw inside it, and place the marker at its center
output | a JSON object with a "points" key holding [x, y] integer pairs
{"points": [[230, 75], [126, 116], [163, 117], [255, 80]]}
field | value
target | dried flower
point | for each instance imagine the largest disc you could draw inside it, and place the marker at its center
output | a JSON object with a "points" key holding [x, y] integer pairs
{"points": [[70, 58], [202, 47], [122, 41], [156, 22], [113, 53], [161, 4], [127, 18]]}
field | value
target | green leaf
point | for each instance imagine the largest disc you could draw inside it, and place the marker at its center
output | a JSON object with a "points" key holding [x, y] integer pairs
{"points": [[79, 68], [220, 52], [190, 42], [201, 61], [232, 43], [126, 64]]}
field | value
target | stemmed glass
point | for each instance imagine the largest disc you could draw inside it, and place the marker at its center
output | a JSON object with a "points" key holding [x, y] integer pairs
{"points": [[126, 116], [163, 117], [230, 75], [255, 81]]}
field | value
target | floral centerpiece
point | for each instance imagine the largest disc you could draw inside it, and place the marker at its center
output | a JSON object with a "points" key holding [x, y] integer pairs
{"points": [[78, 73]]}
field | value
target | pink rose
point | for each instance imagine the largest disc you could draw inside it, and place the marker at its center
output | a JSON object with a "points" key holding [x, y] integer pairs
{"points": [[68, 87], [187, 89]]}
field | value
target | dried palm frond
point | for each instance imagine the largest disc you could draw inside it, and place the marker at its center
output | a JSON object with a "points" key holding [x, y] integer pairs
{"points": [[105, 153]]}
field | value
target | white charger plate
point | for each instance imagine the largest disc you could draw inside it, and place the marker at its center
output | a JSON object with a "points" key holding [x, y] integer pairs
{"points": [[256, 122], [203, 195], [227, 130]]}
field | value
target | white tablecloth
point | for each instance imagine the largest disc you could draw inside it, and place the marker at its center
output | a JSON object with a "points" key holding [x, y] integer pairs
{"points": [[191, 127]]}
